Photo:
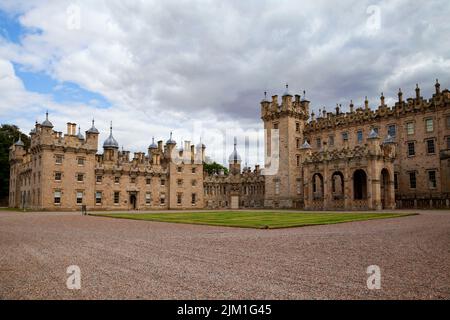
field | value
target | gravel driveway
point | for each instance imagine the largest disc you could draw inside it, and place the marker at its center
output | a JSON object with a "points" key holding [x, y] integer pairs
{"points": [[126, 259]]}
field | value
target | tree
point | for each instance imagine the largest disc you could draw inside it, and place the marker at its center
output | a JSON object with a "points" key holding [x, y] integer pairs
{"points": [[8, 135], [214, 167]]}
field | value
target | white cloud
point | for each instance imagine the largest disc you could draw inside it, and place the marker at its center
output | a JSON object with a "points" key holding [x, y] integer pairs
{"points": [[164, 64]]}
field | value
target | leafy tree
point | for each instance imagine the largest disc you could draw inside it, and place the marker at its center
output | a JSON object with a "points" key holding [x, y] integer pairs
{"points": [[8, 135], [214, 167]]}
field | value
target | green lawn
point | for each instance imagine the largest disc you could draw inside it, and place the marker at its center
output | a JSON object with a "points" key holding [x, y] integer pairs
{"points": [[255, 219]]}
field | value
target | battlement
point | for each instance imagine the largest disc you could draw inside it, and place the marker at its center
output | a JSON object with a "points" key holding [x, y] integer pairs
{"points": [[365, 114], [297, 108]]}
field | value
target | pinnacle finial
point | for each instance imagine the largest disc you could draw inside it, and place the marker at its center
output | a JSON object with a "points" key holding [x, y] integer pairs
{"points": [[110, 127], [235, 142]]}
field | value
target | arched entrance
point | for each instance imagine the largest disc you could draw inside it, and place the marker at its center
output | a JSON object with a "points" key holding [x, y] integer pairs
{"points": [[385, 197], [359, 185]]}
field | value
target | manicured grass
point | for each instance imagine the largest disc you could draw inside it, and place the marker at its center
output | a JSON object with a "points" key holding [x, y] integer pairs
{"points": [[256, 219]]}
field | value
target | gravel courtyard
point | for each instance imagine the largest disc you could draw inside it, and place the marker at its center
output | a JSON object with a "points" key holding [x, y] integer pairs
{"points": [[128, 259]]}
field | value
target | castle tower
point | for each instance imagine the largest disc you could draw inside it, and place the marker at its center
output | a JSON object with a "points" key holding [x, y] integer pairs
{"points": [[92, 137], [283, 125]]}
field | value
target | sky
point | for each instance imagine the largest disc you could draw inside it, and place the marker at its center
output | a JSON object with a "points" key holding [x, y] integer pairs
{"points": [[200, 68]]}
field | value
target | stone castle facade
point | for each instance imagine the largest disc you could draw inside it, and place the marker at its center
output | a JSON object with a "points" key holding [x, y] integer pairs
{"points": [[361, 159]]}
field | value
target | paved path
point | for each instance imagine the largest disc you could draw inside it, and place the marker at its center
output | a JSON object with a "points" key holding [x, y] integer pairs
{"points": [[155, 260]]}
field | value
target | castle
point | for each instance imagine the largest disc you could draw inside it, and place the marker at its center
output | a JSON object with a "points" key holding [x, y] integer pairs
{"points": [[363, 159]]}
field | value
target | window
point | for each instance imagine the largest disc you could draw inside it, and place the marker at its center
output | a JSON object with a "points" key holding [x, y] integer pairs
{"points": [[179, 182], [194, 183], [410, 128], [162, 198], [80, 177], [116, 197], [430, 146], [299, 186], [432, 179], [277, 187], [297, 126], [58, 159], [179, 198], [163, 182], [429, 125], [318, 142], [344, 136], [297, 142], [133, 179], [275, 125], [80, 161], [98, 197], [116, 179], [194, 170], [99, 179], [411, 149], [298, 161], [179, 169], [331, 141], [412, 180], [194, 198], [392, 130], [359, 136], [396, 181], [79, 197], [148, 198], [148, 181], [57, 197], [58, 176]]}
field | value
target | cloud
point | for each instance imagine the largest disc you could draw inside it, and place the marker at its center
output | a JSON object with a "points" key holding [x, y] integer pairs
{"points": [[166, 65]]}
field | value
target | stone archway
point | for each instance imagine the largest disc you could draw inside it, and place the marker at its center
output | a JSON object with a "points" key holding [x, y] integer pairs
{"points": [[359, 185]]}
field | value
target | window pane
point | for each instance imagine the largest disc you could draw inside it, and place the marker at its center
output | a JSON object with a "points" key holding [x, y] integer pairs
{"points": [[429, 125]]}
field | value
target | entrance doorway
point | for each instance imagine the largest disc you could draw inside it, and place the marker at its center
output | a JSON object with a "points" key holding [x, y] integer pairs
{"points": [[133, 201]]}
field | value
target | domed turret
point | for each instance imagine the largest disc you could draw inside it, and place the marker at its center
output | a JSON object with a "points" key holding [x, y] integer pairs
{"points": [[19, 142], [110, 142], [46, 122], [171, 141], [234, 156], [93, 129], [153, 145], [79, 135]]}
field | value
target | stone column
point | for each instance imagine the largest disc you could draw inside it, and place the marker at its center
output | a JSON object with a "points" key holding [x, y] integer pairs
{"points": [[348, 192], [307, 195], [326, 188]]}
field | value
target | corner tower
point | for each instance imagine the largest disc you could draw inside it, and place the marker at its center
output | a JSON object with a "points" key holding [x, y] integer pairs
{"points": [[283, 125]]}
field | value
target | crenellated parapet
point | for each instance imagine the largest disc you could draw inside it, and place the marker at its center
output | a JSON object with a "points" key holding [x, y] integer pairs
{"points": [[364, 114], [297, 108]]}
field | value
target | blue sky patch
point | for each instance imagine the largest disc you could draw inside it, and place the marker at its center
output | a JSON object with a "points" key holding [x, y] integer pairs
{"points": [[62, 92]]}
